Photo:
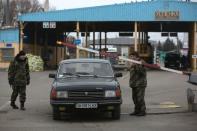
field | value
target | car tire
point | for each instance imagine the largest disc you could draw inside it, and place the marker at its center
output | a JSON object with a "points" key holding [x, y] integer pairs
{"points": [[116, 113], [56, 114]]}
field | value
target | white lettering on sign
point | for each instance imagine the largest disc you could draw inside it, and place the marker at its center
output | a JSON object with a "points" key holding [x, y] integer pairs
{"points": [[45, 25], [194, 56], [51, 25]]}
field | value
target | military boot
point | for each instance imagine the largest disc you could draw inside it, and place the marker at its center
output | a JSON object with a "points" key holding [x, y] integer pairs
{"points": [[13, 105], [141, 114], [134, 113], [22, 106]]}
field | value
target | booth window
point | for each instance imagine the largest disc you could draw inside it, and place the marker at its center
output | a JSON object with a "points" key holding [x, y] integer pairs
{"points": [[6, 54]]}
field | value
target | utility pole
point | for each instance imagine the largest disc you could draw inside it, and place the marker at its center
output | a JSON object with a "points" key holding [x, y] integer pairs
{"points": [[46, 5], [7, 15]]}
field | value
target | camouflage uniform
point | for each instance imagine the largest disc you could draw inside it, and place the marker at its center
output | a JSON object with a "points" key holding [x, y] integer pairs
{"points": [[18, 77], [138, 83]]}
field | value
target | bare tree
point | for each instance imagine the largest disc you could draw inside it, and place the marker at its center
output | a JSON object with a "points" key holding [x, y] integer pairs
{"points": [[169, 45], [160, 46], [36, 6], [179, 44], [18, 7], [1, 12]]}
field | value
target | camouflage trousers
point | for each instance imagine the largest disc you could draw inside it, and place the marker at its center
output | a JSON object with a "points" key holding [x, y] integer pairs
{"points": [[138, 94], [21, 90]]}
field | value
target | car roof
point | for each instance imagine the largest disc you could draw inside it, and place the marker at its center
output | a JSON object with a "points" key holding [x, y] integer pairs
{"points": [[85, 60], [172, 54]]}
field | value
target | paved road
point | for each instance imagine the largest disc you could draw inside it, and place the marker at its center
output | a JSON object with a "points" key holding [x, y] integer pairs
{"points": [[162, 87]]}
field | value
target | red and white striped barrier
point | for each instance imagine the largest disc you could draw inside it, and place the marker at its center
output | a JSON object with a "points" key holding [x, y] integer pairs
{"points": [[155, 66]]}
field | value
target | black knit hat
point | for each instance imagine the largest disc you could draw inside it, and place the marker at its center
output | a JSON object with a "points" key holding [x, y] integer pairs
{"points": [[135, 53], [21, 53]]}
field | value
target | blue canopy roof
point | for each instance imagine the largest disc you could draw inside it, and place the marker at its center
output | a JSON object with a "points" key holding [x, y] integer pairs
{"points": [[137, 11]]}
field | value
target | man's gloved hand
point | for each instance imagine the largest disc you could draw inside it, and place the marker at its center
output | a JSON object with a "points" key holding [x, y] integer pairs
{"points": [[28, 82], [11, 86], [187, 72], [143, 62], [11, 81]]}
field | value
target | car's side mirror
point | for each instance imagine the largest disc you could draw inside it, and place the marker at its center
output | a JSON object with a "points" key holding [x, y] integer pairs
{"points": [[118, 74], [51, 75]]}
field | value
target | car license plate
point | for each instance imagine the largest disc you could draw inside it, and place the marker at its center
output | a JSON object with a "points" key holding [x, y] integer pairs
{"points": [[86, 105]]}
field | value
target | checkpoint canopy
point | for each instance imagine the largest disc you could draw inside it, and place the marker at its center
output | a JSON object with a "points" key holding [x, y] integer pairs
{"points": [[136, 17], [151, 16]]}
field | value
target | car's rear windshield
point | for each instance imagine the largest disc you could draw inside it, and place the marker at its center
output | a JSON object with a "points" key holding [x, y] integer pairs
{"points": [[86, 68], [172, 56]]}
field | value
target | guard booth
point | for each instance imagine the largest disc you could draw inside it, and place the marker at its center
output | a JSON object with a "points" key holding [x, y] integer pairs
{"points": [[9, 45], [43, 30]]}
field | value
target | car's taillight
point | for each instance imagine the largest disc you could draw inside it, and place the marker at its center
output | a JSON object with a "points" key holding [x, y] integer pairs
{"points": [[118, 92], [53, 93]]}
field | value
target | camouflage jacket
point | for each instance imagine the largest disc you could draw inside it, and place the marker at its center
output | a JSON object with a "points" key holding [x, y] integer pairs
{"points": [[18, 73], [137, 76]]}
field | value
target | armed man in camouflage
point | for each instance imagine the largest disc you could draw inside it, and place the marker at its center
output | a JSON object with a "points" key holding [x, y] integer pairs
{"points": [[18, 77], [138, 83]]}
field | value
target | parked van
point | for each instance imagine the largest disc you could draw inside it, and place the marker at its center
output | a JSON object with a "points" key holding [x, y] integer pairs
{"points": [[172, 60]]}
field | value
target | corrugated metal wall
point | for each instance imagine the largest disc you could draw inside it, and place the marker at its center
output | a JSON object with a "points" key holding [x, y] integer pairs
{"points": [[9, 35]]}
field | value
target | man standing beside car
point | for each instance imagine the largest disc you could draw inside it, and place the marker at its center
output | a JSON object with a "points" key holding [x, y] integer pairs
{"points": [[138, 83], [18, 77]]}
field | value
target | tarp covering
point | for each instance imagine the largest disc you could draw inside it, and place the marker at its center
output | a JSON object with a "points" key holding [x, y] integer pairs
{"points": [[35, 63]]}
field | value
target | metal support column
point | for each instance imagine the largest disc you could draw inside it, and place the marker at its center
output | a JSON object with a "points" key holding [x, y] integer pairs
{"points": [[139, 33], [194, 42], [94, 40], [146, 38], [100, 43], [94, 43], [142, 37], [86, 40], [56, 51], [135, 35], [105, 43], [35, 39], [77, 30], [139, 40], [21, 36]]}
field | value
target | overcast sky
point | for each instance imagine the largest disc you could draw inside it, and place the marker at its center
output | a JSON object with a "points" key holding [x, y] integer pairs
{"points": [[69, 4]]}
